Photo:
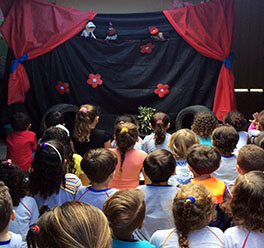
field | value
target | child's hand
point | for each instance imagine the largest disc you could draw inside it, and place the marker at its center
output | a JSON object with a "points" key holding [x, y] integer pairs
{"points": [[255, 116]]}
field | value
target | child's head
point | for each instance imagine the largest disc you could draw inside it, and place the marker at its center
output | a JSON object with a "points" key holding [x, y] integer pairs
{"points": [[6, 207], [125, 211], [14, 179], [53, 118], [237, 120], [126, 135], [159, 165], [99, 164], [250, 157], [48, 169], [247, 203], [59, 134], [257, 140], [20, 122], [73, 224], [225, 139], [85, 120], [126, 118], [203, 159], [160, 122], [204, 124], [193, 208], [260, 120], [181, 141]]}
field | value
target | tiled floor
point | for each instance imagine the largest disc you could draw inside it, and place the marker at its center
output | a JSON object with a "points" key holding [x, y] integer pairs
{"points": [[2, 149]]}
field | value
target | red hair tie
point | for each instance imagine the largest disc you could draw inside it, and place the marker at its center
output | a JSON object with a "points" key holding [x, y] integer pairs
{"points": [[36, 229], [159, 121]]}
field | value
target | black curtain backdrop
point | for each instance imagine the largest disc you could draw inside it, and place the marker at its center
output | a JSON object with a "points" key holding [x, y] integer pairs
{"points": [[129, 77]]}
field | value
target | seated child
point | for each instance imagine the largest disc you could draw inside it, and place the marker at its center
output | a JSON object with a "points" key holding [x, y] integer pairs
{"points": [[21, 143], [99, 166], [203, 160], [125, 211], [257, 125], [7, 239], [179, 143], [24, 205], [158, 166], [192, 209], [74, 224], [225, 139], [160, 123], [247, 208]]}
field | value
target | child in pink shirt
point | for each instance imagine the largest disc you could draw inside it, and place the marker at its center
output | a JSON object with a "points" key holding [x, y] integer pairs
{"points": [[130, 160]]}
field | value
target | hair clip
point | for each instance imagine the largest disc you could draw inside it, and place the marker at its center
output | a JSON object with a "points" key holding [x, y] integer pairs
{"points": [[63, 128], [124, 129], [83, 109], [7, 162], [190, 198], [36, 229], [159, 121], [43, 145]]}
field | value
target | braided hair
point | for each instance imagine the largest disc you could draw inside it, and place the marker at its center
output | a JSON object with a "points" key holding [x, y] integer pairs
{"points": [[126, 135]]}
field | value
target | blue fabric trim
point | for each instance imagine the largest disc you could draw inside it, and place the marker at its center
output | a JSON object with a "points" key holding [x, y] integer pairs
{"points": [[98, 190], [223, 156], [157, 185], [228, 61], [19, 60], [5, 242]]}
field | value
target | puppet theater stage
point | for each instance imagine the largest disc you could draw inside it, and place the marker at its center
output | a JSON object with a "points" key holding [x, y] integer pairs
{"points": [[54, 64]]}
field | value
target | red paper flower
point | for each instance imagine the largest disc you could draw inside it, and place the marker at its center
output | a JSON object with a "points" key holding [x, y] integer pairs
{"points": [[162, 90], [147, 48], [94, 80], [62, 87]]}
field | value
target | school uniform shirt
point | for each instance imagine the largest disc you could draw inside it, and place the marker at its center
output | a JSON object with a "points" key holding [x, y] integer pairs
{"points": [[93, 196], [149, 143], [66, 193], [237, 237], [242, 141], [227, 170], [137, 146], [205, 141], [14, 242], [158, 200], [131, 244], [27, 214], [207, 237], [20, 146]]}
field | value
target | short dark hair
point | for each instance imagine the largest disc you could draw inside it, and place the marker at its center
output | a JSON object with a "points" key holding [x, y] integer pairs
{"points": [[237, 120], [159, 165], [53, 118], [203, 159], [6, 206], [256, 139], [99, 164], [251, 157], [225, 139], [20, 121]]}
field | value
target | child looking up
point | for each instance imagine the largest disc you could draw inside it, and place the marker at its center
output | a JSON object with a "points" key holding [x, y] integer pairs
{"points": [[224, 139], [247, 208], [160, 123], [48, 182], [99, 166], [203, 160], [85, 135], [73, 224], [180, 142], [21, 142], [125, 211], [192, 209], [7, 239], [130, 160], [25, 206], [158, 166]]}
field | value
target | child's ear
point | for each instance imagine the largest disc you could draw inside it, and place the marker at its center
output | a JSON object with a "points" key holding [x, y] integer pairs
{"points": [[239, 170], [111, 177], [140, 226], [13, 215], [168, 126], [29, 126], [174, 172], [150, 126]]}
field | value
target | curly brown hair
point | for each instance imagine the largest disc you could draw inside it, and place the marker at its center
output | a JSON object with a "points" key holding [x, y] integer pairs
{"points": [[204, 124], [192, 209]]}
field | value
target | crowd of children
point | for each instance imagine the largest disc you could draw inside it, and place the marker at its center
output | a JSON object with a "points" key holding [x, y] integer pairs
{"points": [[202, 187]]}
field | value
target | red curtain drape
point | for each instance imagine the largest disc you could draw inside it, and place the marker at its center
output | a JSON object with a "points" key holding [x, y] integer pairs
{"points": [[34, 27], [208, 28]]}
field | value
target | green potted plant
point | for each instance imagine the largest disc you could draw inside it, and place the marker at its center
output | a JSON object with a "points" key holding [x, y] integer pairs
{"points": [[144, 117]]}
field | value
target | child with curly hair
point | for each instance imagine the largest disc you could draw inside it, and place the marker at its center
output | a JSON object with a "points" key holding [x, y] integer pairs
{"points": [[247, 209], [25, 206], [130, 160], [48, 182], [73, 224], [179, 144], [160, 123], [85, 135], [203, 125], [193, 208]]}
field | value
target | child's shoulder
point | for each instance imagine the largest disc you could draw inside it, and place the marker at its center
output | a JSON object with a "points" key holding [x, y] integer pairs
{"points": [[15, 241]]}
